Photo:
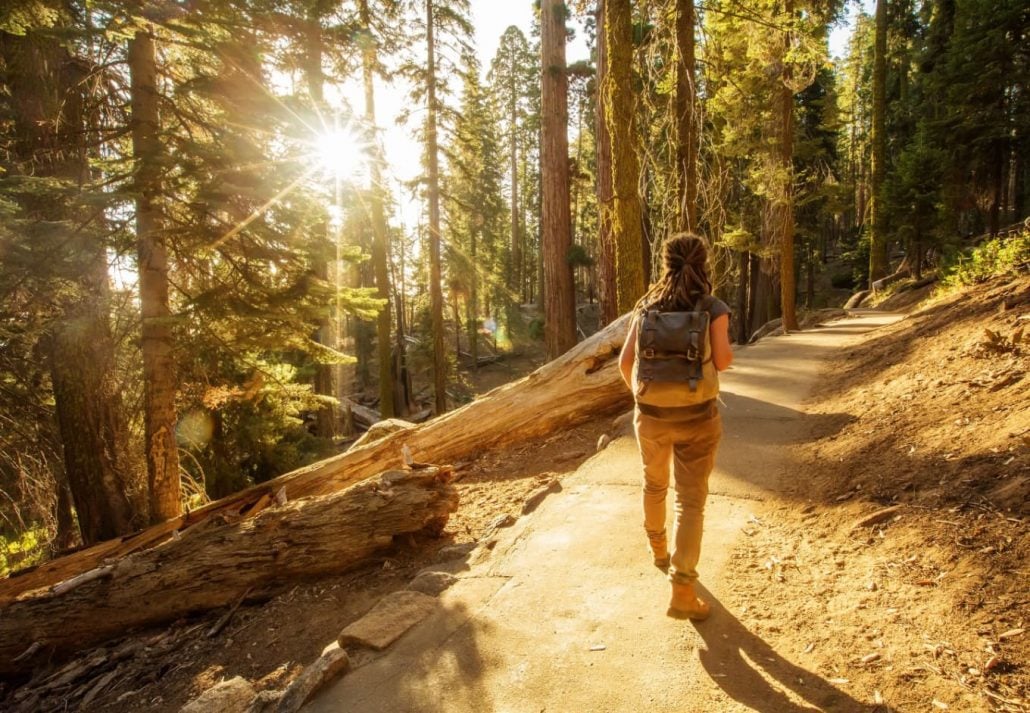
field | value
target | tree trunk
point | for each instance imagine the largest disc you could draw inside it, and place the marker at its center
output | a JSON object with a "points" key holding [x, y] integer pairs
{"points": [[47, 106], [435, 289], [327, 420], [877, 234], [743, 315], [687, 120], [473, 305], [607, 294], [159, 378], [89, 413], [559, 290], [515, 281], [388, 376], [583, 384], [212, 566], [784, 221], [626, 220]]}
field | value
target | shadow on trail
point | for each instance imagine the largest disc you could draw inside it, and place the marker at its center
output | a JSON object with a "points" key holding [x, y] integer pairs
{"points": [[777, 424], [437, 667], [754, 674]]}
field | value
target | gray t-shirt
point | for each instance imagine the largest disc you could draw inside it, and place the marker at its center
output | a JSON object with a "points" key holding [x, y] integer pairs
{"points": [[718, 308]]}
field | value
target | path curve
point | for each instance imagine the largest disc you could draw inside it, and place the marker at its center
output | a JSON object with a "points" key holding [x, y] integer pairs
{"points": [[567, 614]]}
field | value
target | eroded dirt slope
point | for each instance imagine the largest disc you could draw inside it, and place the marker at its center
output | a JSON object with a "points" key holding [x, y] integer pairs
{"points": [[926, 607]]}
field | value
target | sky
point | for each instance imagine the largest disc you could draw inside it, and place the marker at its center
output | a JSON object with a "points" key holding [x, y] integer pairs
{"points": [[490, 19]]}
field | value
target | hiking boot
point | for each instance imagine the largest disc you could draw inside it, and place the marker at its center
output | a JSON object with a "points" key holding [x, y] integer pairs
{"points": [[659, 546], [685, 603]]}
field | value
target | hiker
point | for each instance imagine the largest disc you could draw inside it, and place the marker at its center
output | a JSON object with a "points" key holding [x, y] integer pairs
{"points": [[677, 344]]}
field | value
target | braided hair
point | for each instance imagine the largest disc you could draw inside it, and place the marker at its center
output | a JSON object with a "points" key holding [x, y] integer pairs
{"points": [[684, 278]]}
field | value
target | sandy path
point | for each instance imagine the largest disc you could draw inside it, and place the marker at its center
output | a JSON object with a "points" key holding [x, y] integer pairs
{"points": [[567, 613]]}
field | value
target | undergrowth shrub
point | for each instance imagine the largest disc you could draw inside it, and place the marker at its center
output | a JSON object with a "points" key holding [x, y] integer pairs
{"points": [[995, 257]]}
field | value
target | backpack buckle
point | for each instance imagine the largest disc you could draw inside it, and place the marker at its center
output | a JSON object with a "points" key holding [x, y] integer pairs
{"points": [[692, 354], [648, 353]]}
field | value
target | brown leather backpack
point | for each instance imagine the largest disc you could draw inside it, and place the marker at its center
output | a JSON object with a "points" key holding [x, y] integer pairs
{"points": [[673, 365]]}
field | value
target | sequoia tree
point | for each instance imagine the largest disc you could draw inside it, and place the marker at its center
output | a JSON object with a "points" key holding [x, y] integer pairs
{"points": [[559, 287]]}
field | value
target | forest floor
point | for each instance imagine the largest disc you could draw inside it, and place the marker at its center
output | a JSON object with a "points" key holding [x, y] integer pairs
{"points": [[923, 609]]}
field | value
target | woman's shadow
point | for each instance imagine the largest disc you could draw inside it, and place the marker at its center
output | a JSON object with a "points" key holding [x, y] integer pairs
{"points": [[734, 655]]}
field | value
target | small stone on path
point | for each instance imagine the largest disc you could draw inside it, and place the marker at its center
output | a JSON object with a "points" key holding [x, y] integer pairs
{"points": [[231, 696], [265, 702], [432, 583], [333, 663], [388, 620], [455, 552]]}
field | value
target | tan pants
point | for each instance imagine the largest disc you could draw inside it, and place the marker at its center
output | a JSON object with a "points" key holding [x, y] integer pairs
{"points": [[687, 446]]}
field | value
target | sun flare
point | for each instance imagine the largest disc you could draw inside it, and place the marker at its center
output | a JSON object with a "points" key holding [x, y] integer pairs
{"points": [[339, 153]]}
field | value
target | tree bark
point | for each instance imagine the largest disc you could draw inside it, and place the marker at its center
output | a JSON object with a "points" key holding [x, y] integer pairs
{"points": [[687, 120], [515, 281], [626, 219], [159, 377], [606, 292], [559, 290], [583, 384], [877, 234], [328, 418], [433, 159], [212, 566], [388, 376], [784, 222], [47, 107]]}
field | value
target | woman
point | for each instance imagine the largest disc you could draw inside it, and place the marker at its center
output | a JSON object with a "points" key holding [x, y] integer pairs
{"points": [[683, 437]]}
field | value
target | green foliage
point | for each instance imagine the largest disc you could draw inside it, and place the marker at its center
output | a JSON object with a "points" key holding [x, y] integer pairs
{"points": [[995, 257], [536, 329], [26, 549], [578, 256]]}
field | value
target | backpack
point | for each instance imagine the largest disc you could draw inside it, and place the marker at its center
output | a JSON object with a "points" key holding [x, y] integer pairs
{"points": [[673, 365]]}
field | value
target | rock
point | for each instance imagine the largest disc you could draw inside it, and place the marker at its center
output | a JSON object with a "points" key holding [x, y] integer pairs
{"points": [[623, 424], [232, 696], [505, 520], [381, 429], [332, 664], [766, 330], [265, 702], [537, 496], [877, 517], [388, 620], [603, 442], [455, 552], [432, 583], [856, 300]]}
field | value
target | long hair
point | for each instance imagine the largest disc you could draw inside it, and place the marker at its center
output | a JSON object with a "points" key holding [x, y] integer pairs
{"points": [[684, 278]]}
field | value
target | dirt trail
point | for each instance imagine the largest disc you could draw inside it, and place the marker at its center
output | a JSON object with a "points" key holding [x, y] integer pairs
{"points": [[567, 613]]}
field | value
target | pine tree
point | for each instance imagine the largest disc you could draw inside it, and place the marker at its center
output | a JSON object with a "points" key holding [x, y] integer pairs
{"points": [[54, 245], [624, 219], [513, 79], [159, 376], [475, 205], [389, 404], [878, 266], [559, 289], [687, 119]]}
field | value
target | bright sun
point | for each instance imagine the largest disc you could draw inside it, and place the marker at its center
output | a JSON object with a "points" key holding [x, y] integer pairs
{"points": [[340, 153]]}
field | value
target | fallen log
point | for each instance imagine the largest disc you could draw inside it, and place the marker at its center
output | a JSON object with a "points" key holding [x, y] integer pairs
{"points": [[362, 415], [581, 384], [211, 566]]}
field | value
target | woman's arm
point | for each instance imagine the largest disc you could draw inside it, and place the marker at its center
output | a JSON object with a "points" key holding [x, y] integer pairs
{"points": [[628, 354], [719, 333]]}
